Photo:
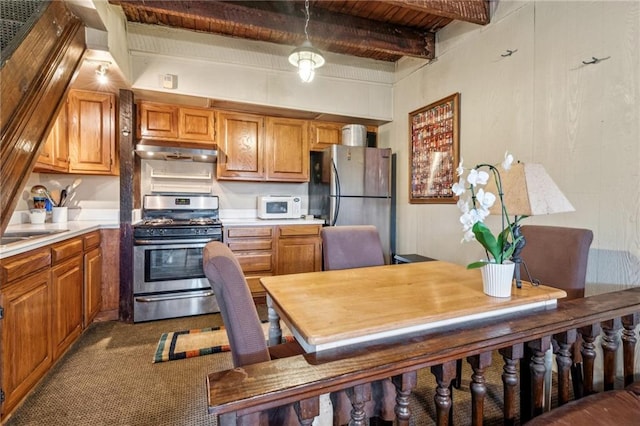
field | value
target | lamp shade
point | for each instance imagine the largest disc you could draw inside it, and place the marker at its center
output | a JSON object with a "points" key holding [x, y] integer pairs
{"points": [[528, 191], [307, 58]]}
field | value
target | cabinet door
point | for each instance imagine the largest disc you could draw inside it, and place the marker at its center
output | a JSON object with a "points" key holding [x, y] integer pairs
{"points": [[323, 135], [196, 125], [240, 147], [287, 150], [157, 121], [92, 284], [26, 335], [91, 133], [66, 300], [54, 155], [299, 249]]}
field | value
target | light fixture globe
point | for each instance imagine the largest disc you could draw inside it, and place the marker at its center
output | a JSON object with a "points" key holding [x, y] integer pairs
{"points": [[307, 59]]}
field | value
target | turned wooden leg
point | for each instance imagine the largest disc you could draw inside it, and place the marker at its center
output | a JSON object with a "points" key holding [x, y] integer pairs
{"points": [[511, 355], [629, 340], [537, 371], [404, 384], [307, 410], [610, 343], [359, 396], [564, 361], [275, 332], [588, 352], [478, 385], [444, 374]]}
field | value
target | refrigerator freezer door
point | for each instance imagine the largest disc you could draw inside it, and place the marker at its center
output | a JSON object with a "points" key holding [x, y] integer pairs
{"points": [[360, 171], [365, 211]]}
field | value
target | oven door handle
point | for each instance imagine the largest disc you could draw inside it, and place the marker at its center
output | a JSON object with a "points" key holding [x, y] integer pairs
{"points": [[164, 298], [170, 242]]}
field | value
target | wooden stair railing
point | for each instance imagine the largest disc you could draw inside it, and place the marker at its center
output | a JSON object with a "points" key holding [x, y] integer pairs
{"points": [[236, 395]]}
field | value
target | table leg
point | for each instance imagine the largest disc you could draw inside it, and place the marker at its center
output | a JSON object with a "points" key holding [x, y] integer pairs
{"points": [[275, 332]]}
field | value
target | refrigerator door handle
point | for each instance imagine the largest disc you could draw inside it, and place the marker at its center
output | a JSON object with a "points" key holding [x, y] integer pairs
{"points": [[337, 209]]}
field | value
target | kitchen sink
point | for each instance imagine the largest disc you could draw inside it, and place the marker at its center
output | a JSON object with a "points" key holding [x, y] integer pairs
{"points": [[19, 236]]}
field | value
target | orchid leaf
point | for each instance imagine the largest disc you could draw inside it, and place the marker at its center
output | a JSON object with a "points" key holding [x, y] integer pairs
{"points": [[485, 237]]}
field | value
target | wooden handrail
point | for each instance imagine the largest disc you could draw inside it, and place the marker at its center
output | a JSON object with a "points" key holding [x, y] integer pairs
{"points": [[259, 387]]}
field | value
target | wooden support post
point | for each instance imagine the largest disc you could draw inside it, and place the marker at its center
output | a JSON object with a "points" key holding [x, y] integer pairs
{"points": [[359, 396], [537, 370], [588, 351], [444, 374], [565, 341], [307, 410], [629, 340], [610, 343], [478, 385], [404, 384], [511, 355]]}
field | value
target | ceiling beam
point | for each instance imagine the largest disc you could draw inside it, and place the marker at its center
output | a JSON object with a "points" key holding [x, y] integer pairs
{"points": [[328, 31]]}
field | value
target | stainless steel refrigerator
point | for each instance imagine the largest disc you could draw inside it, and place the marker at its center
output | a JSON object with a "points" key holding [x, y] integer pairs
{"points": [[351, 185]]}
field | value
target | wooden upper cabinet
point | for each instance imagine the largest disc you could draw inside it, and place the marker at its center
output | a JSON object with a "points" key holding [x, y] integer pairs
{"points": [[54, 155], [176, 125], [240, 146], [287, 150], [325, 134], [157, 121], [92, 147]]}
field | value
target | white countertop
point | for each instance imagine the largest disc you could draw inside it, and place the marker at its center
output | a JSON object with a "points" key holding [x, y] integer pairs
{"points": [[72, 229], [268, 222]]}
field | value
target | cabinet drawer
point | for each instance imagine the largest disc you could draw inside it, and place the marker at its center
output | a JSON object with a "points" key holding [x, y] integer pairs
{"points": [[298, 230], [24, 264], [66, 249], [91, 240], [249, 245], [255, 262], [257, 231]]}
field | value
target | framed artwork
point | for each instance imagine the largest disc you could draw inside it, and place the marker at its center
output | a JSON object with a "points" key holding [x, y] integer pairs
{"points": [[434, 151]]}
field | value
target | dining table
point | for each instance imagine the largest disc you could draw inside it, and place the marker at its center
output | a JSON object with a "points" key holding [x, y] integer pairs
{"points": [[331, 309]]}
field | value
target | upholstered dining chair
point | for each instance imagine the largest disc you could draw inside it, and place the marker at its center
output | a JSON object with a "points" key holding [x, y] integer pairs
{"points": [[241, 321], [557, 256], [357, 246]]}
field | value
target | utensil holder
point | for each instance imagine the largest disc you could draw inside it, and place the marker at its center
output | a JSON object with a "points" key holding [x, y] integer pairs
{"points": [[59, 214]]}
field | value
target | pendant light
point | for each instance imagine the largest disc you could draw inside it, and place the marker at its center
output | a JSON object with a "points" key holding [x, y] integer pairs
{"points": [[306, 57]]}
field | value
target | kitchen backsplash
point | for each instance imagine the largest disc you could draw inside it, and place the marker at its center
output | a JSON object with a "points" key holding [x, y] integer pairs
{"points": [[193, 177]]}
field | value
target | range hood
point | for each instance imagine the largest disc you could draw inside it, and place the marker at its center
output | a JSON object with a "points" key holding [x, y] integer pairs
{"points": [[155, 152]]}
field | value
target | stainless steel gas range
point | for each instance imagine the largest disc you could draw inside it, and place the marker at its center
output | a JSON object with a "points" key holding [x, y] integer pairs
{"points": [[168, 278]]}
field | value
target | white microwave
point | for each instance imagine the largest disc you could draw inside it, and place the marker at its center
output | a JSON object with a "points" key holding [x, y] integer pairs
{"points": [[279, 207]]}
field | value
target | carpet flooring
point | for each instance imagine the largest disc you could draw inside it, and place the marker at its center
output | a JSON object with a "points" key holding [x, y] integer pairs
{"points": [[108, 378]]}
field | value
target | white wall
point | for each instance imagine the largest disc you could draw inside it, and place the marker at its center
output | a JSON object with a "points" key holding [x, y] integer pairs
{"points": [[543, 105]]}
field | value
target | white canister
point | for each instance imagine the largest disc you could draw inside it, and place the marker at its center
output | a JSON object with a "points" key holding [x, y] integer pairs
{"points": [[59, 214], [37, 215]]}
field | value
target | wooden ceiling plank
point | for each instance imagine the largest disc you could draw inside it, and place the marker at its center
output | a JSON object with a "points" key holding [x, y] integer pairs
{"points": [[474, 11], [350, 35]]}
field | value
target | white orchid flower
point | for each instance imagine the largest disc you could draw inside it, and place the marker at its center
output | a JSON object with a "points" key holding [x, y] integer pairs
{"points": [[478, 177], [469, 219], [460, 169], [463, 205], [458, 188], [485, 199], [468, 236], [508, 160]]}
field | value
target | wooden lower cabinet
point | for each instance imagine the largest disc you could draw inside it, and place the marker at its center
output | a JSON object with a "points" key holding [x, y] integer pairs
{"points": [[26, 335], [66, 299], [274, 250], [49, 295], [92, 277], [299, 249]]}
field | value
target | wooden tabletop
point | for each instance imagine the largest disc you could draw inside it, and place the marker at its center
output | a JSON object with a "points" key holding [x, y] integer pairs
{"points": [[335, 308]]}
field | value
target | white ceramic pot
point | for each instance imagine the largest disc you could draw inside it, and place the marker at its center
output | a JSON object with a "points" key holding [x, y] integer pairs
{"points": [[497, 279], [37, 215]]}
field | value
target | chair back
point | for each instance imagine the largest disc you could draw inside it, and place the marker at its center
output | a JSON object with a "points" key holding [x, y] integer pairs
{"points": [[354, 246], [239, 314], [557, 256]]}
